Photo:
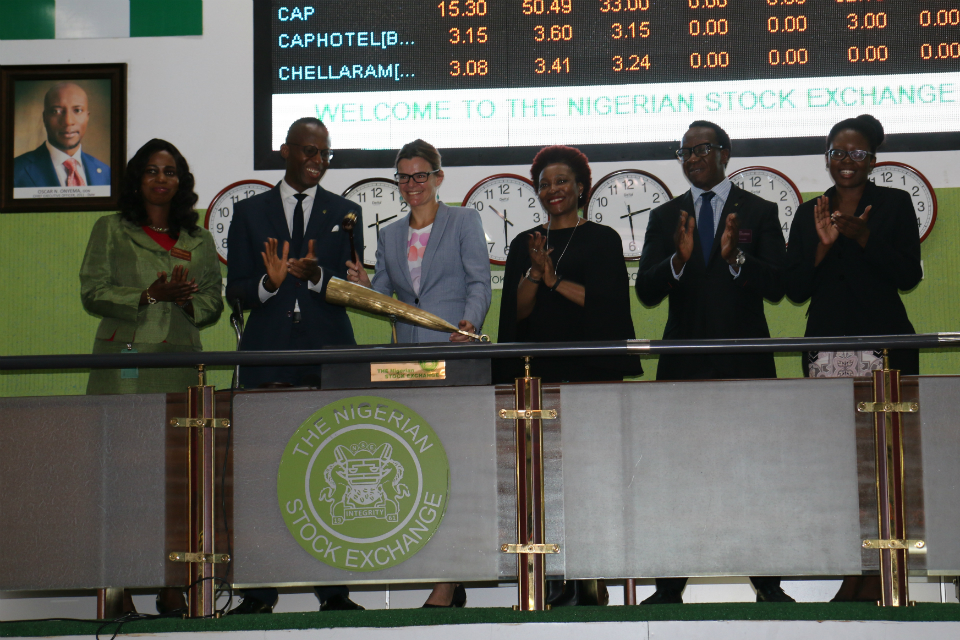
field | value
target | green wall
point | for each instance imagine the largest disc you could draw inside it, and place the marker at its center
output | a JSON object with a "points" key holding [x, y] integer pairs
{"points": [[41, 312]]}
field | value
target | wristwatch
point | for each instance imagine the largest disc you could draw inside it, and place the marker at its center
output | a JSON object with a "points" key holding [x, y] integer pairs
{"points": [[527, 276], [741, 258]]}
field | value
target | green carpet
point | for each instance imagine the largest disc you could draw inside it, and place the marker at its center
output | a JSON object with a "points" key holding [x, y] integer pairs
{"points": [[923, 612]]}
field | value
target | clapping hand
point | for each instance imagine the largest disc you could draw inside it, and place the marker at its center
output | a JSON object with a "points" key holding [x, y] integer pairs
{"points": [[276, 265], [683, 239], [305, 268], [853, 227], [730, 239], [826, 230], [541, 264], [175, 289]]}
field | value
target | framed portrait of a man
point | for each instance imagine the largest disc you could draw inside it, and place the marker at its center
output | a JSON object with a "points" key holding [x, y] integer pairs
{"points": [[64, 137]]}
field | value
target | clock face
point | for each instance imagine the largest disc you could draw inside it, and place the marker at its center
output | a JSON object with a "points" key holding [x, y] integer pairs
{"points": [[382, 205], [220, 211], [902, 176], [508, 205], [623, 200], [771, 185]]}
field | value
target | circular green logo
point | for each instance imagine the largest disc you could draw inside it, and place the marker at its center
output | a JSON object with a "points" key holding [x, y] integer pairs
{"points": [[363, 483]]}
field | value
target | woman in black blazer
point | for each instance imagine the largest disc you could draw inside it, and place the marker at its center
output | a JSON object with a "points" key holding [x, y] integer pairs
{"points": [[851, 252]]}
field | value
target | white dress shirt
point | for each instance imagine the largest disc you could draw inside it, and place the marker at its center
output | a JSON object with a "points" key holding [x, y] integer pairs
{"points": [[288, 196], [59, 157], [720, 194]]}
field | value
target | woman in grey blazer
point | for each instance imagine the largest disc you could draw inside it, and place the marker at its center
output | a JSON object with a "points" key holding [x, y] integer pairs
{"points": [[436, 259]]}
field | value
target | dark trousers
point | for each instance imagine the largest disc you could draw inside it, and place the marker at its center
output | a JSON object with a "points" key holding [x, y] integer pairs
{"points": [[269, 594], [676, 585]]}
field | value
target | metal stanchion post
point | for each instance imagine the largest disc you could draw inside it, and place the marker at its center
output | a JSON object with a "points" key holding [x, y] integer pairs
{"points": [[531, 570], [888, 438], [630, 591], [201, 451]]}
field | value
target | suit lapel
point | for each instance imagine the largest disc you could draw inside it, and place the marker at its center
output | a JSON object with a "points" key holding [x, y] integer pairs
{"points": [[401, 229], [318, 218], [436, 233], [278, 219], [42, 170]]}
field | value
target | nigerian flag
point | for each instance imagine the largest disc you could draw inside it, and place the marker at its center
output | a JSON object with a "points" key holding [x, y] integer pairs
{"points": [[47, 19]]}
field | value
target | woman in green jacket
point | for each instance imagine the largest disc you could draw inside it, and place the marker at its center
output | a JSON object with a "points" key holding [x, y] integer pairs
{"points": [[151, 273]]}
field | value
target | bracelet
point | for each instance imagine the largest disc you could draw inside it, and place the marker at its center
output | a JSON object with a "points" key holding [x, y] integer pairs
{"points": [[556, 284], [527, 276], [150, 299]]}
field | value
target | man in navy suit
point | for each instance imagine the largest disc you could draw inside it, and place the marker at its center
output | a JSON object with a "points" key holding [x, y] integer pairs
{"points": [[285, 245], [60, 161], [716, 252]]}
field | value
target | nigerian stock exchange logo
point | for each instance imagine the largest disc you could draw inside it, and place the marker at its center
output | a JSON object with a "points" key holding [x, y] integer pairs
{"points": [[363, 483]]}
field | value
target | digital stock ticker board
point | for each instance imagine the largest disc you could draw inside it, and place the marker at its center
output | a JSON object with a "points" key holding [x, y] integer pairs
{"points": [[490, 76]]}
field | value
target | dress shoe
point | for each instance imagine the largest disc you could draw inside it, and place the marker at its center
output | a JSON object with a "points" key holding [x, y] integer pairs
{"points": [[170, 600], [252, 605], [340, 603], [773, 594], [664, 597], [458, 601]]}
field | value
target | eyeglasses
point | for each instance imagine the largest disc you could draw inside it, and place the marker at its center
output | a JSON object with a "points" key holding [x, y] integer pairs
{"points": [[700, 150], [420, 178], [310, 151], [857, 155]]}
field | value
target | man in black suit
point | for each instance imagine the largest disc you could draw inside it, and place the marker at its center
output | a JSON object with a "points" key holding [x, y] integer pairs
{"points": [[716, 252], [285, 245]]}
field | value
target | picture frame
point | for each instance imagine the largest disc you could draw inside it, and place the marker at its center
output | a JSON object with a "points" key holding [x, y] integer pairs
{"points": [[64, 137]]}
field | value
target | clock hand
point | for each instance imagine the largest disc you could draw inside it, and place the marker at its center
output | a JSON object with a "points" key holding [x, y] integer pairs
{"points": [[380, 222], [503, 215], [506, 222], [629, 216]]}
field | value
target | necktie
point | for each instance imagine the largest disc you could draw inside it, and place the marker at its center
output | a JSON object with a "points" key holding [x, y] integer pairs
{"points": [[296, 235], [73, 176], [705, 225]]}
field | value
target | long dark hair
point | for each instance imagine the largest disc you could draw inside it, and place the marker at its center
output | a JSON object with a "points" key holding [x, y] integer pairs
{"points": [[182, 214]]}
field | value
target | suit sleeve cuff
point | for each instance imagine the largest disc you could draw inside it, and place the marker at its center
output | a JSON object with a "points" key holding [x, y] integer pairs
{"points": [[319, 286], [262, 290], [676, 276]]}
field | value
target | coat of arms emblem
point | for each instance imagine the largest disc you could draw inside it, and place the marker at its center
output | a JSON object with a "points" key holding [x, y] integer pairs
{"points": [[363, 470]]}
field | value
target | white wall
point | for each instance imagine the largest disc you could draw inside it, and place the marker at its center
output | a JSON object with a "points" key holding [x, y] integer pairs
{"points": [[197, 92]]}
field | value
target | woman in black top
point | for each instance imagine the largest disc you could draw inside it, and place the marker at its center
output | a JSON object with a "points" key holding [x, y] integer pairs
{"points": [[566, 280], [851, 251]]}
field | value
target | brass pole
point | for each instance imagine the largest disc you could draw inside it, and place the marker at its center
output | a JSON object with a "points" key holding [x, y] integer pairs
{"points": [[200, 464], [888, 438], [531, 572], [630, 591]]}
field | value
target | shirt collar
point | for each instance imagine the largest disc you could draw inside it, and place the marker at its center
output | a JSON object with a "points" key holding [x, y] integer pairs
{"points": [[722, 190], [286, 191], [59, 157]]}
